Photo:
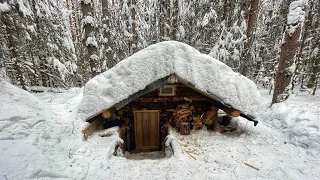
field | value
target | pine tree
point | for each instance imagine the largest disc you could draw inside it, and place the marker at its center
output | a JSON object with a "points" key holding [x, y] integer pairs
{"points": [[14, 30], [288, 50], [175, 17], [246, 54], [89, 40], [107, 42]]}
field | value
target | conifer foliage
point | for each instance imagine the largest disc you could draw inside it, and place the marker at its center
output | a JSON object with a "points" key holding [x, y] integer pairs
{"points": [[64, 43]]}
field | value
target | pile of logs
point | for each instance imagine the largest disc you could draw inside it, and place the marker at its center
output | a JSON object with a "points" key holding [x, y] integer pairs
{"points": [[211, 119], [186, 113], [183, 113]]}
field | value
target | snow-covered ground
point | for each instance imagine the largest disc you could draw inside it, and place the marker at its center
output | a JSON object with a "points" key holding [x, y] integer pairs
{"points": [[41, 138]]}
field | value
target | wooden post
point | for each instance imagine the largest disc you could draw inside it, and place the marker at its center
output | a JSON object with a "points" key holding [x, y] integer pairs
{"points": [[184, 128]]}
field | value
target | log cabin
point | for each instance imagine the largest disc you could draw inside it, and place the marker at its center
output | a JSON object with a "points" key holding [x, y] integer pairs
{"points": [[169, 82]]}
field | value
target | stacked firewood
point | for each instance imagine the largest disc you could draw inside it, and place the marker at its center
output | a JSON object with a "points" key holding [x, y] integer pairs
{"points": [[183, 113], [211, 119], [197, 122], [187, 113]]}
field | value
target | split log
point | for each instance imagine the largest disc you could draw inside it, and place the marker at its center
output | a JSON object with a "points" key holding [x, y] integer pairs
{"points": [[184, 117], [197, 122], [210, 117], [180, 105], [187, 99], [216, 126], [235, 113], [232, 112], [184, 106], [181, 114], [183, 111]]}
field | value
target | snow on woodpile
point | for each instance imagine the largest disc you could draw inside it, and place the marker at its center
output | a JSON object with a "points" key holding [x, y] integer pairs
{"points": [[161, 60]]}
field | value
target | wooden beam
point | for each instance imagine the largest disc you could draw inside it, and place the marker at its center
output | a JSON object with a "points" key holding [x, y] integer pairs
{"points": [[96, 121], [92, 118], [91, 128], [169, 99]]}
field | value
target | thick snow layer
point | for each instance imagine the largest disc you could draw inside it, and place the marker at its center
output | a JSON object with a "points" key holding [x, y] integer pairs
{"points": [[296, 15], [161, 60], [173, 146], [16, 103], [4, 7], [88, 20], [24, 8], [91, 41], [59, 66]]}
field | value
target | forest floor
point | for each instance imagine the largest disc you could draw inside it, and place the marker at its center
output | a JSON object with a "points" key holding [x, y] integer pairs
{"points": [[41, 138]]}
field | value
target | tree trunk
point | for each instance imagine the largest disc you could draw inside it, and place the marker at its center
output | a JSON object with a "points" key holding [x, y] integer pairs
{"points": [[73, 33], [225, 10], [89, 40], [283, 76], [245, 57], [305, 35], [168, 20], [162, 5], [175, 20], [315, 86], [313, 63], [134, 32], [314, 69], [108, 51]]}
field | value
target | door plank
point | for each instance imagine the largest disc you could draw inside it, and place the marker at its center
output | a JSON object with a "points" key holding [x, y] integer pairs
{"points": [[147, 129]]}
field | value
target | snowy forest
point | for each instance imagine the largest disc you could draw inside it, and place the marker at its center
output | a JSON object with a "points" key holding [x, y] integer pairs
{"points": [[159, 89], [62, 44]]}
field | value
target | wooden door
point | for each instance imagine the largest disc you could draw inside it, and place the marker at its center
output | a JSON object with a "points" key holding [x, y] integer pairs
{"points": [[146, 123]]}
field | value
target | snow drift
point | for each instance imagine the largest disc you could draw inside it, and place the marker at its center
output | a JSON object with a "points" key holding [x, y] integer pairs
{"points": [[298, 118], [20, 111], [161, 60], [17, 102]]}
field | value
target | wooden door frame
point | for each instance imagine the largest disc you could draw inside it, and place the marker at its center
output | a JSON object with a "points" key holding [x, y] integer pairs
{"points": [[135, 126]]}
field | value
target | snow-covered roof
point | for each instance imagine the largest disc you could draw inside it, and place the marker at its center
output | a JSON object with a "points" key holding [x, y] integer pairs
{"points": [[161, 60]]}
